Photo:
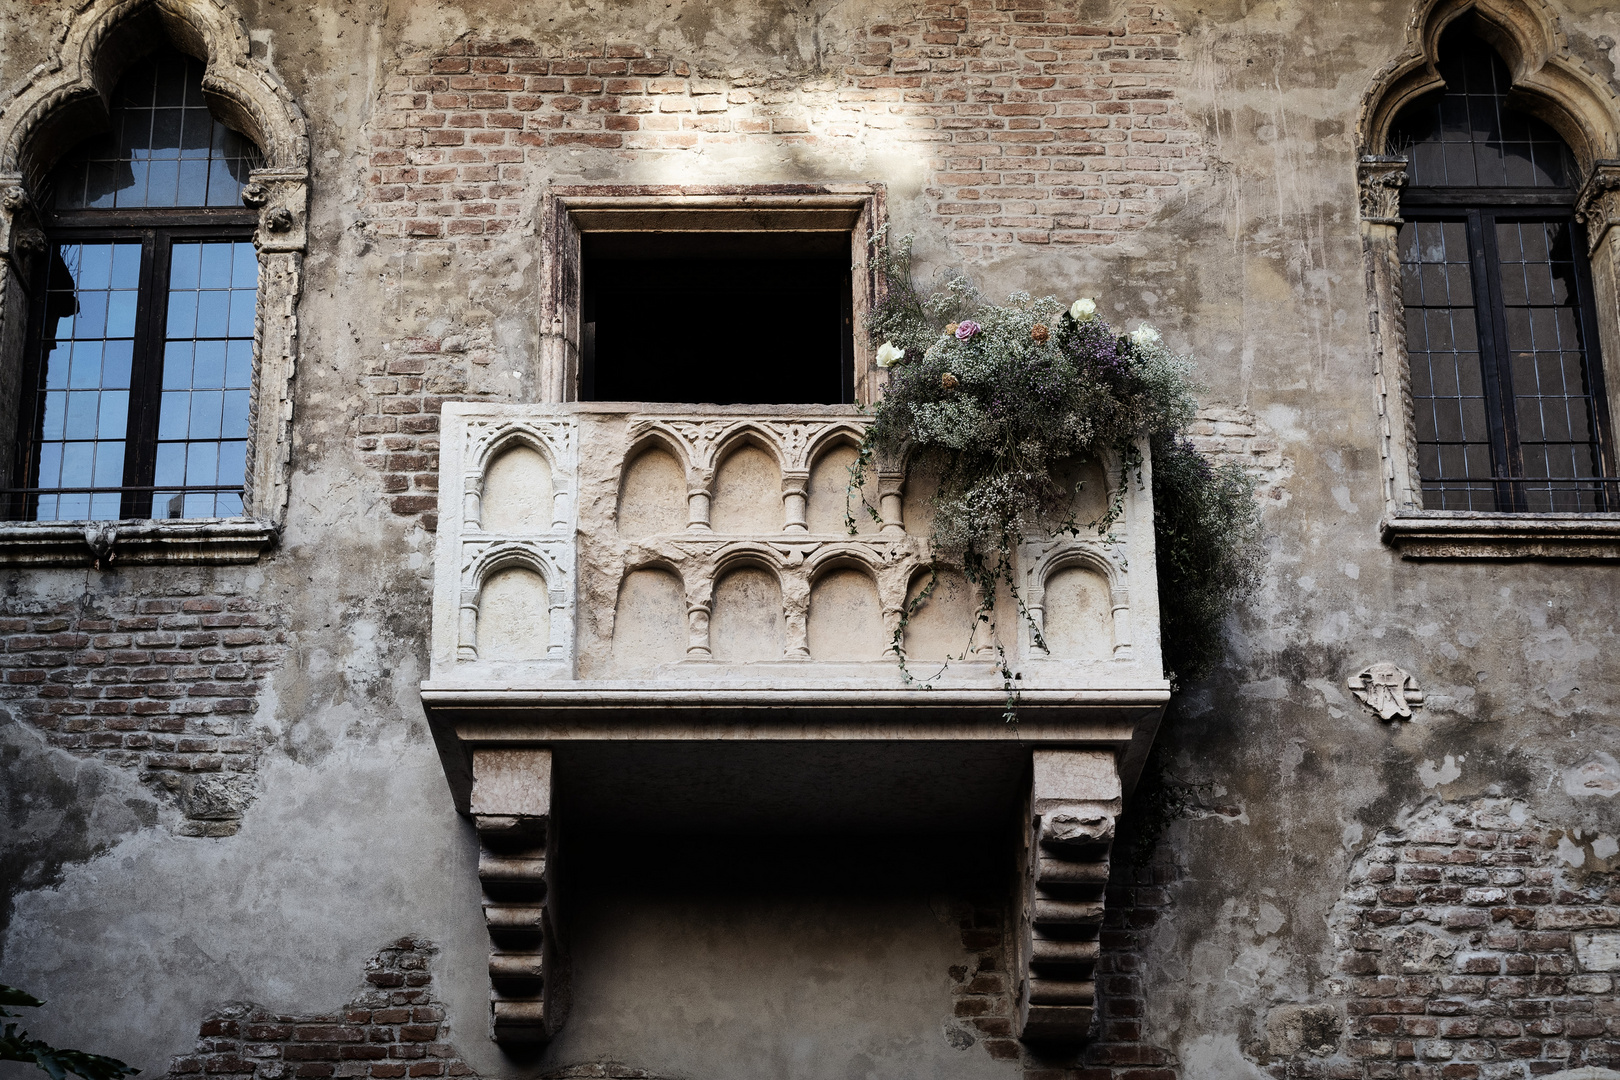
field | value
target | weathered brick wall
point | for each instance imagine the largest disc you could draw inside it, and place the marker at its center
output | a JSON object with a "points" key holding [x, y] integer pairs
{"points": [[165, 684], [393, 1029], [1468, 953], [1035, 127], [1228, 433], [1039, 127]]}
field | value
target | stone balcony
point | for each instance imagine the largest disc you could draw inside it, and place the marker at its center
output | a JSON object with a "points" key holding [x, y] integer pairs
{"points": [[625, 556], [658, 616]]}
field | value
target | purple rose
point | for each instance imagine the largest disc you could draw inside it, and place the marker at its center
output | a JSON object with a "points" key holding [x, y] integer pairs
{"points": [[966, 329]]}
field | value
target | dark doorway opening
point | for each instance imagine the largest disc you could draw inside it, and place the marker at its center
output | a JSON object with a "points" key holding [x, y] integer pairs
{"points": [[717, 318]]}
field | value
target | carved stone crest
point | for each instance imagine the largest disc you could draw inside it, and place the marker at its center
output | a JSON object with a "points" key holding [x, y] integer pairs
{"points": [[1387, 690]]}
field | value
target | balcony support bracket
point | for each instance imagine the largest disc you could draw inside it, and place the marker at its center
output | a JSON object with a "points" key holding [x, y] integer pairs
{"points": [[1074, 799], [511, 806]]}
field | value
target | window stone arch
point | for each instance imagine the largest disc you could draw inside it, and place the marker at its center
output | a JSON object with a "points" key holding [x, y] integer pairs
{"points": [[41, 119], [1553, 85]]}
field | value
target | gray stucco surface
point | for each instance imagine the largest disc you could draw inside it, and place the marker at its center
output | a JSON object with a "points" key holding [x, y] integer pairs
{"points": [[831, 965]]}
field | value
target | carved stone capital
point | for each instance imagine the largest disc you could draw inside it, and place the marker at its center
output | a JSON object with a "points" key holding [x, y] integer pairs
{"points": [[1380, 180], [1598, 204], [19, 234], [281, 196]]}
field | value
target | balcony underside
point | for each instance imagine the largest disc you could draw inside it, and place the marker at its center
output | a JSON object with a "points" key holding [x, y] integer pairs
{"points": [[802, 759]]}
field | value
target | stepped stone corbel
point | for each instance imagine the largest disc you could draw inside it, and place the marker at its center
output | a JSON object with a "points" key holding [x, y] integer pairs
{"points": [[511, 806], [1074, 798]]}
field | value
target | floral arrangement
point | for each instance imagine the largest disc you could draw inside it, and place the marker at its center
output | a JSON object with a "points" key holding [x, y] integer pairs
{"points": [[1001, 400]]}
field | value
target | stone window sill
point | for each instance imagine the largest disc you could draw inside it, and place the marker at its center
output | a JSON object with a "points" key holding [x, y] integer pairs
{"points": [[206, 541], [1463, 534]]}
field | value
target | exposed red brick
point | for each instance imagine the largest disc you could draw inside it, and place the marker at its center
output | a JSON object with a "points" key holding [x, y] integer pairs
{"points": [[356, 1040], [175, 702]]}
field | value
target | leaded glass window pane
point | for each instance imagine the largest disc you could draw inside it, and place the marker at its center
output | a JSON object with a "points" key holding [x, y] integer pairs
{"points": [[207, 376], [1468, 136], [82, 400], [164, 148], [1552, 396], [1505, 377]]}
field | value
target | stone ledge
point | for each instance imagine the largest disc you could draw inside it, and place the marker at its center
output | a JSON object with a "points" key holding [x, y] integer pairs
{"points": [[786, 720], [1463, 534], [204, 541]]}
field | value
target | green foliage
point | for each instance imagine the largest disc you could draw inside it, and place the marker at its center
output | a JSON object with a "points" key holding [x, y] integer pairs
{"points": [[15, 1045], [1002, 402], [1207, 528]]}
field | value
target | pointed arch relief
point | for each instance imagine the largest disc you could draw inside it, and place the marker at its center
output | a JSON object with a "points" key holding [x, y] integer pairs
{"points": [[846, 617], [748, 623], [519, 489], [653, 489], [1077, 595], [514, 614], [829, 500], [747, 486], [650, 620]]}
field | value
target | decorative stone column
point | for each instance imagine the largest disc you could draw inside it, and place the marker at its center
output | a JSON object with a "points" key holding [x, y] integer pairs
{"points": [[697, 509], [795, 498], [1074, 797], [1379, 180], [511, 806], [697, 631], [890, 503], [472, 510]]}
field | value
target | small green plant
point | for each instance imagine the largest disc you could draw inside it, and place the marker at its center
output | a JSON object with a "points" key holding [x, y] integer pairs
{"points": [[15, 1045], [1001, 401]]}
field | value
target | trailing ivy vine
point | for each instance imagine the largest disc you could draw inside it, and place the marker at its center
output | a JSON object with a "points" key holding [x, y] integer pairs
{"points": [[1002, 401]]}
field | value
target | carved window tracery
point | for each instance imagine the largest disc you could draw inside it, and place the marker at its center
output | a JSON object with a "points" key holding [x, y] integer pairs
{"points": [[1487, 216], [1507, 378], [217, 174]]}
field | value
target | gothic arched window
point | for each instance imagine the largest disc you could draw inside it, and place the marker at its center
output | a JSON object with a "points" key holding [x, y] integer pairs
{"points": [[140, 358], [1500, 331]]}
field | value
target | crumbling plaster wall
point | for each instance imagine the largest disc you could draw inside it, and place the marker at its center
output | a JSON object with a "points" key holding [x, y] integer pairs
{"points": [[136, 932]]}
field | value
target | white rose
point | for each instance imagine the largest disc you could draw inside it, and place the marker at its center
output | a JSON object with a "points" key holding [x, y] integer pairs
{"points": [[1144, 335], [888, 355], [1083, 309]]}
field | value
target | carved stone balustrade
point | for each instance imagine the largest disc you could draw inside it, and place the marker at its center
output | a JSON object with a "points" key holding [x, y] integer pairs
{"points": [[665, 604]]}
